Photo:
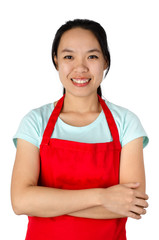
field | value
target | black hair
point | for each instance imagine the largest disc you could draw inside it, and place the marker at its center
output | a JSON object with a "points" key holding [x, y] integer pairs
{"points": [[95, 28]]}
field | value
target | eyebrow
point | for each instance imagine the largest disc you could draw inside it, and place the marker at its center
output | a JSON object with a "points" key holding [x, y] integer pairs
{"points": [[89, 51]]}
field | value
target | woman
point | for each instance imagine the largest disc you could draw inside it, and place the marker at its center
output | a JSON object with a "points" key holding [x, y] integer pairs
{"points": [[79, 170]]}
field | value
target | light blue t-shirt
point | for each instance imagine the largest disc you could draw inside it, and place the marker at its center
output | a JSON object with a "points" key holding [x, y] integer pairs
{"points": [[33, 124]]}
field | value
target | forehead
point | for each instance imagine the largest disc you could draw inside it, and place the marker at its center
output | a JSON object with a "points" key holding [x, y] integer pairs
{"points": [[78, 38]]}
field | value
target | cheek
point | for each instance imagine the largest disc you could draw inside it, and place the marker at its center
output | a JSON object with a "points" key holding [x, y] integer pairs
{"points": [[64, 67], [64, 73], [97, 70]]}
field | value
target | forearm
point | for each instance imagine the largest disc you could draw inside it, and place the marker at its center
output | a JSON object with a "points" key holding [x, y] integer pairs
{"points": [[97, 212], [52, 202]]}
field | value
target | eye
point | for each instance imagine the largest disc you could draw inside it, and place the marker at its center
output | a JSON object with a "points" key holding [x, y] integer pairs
{"points": [[68, 57], [93, 57]]}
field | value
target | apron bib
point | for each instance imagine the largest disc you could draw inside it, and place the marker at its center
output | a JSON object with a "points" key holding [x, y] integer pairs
{"points": [[75, 165]]}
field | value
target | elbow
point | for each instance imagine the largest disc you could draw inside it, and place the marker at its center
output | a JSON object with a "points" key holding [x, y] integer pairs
{"points": [[16, 206], [21, 203], [16, 210]]}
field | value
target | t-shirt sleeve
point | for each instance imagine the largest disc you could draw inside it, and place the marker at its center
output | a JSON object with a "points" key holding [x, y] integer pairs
{"points": [[132, 129], [28, 129]]}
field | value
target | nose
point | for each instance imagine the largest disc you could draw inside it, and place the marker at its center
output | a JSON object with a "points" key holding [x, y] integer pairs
{"points": [[81, 66]]}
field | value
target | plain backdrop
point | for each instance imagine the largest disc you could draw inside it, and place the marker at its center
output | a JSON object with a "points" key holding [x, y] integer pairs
{"points": [[29, 80]]}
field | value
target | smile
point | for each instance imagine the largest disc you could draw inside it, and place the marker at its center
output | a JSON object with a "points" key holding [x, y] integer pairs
{"points": [[80, 80]]}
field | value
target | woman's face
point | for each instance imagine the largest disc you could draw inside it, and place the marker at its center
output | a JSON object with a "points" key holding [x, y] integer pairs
{"points": [[80, 58]]}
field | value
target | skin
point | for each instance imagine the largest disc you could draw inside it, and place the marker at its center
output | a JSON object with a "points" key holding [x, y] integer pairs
{"points": [[127, 199], [80, 63]]}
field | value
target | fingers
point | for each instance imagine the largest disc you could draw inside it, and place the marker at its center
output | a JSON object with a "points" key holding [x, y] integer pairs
{"points": [[137, 201], [132, 185], [134, 215], [141, 203], [138, 207], [141, 195], [138, 194], [126, 200], [138, 210]]}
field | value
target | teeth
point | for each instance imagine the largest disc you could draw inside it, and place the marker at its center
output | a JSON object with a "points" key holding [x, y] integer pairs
{"points": [[80, 81]]}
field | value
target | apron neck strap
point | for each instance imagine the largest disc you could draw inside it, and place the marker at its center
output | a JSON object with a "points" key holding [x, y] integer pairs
{"points": [[110, 120], [52, 121], [56, 112]]}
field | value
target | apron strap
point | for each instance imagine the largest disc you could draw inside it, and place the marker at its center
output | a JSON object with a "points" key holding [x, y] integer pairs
{"points": [[56, 112], [52, 120], [110, 120]]}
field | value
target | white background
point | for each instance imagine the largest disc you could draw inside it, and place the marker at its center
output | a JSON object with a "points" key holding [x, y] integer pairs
{"points": [[29, 80]]}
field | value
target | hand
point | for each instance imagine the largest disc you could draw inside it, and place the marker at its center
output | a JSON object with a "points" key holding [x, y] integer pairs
{"points": [[125, 200]]}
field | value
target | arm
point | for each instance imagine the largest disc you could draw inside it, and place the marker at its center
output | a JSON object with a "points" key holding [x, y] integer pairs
{"points": [[29, 199], [131, 170]]}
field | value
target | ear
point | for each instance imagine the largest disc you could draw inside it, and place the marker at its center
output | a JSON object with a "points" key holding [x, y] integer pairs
{"points": [[56, 62], [105, 65]]}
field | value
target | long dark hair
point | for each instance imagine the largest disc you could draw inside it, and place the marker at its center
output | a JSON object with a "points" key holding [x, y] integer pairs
{"points": [[95, 28]]}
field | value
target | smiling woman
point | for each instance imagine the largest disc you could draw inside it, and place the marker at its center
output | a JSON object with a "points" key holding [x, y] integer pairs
{"points": [[95, 29], [80, 59], [79, 169]]}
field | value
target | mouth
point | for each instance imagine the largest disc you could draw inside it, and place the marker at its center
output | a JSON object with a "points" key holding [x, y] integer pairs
{"points": [[81, 80]]}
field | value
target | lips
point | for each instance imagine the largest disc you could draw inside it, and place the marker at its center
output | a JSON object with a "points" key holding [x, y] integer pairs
{"points": [[81, 80]]}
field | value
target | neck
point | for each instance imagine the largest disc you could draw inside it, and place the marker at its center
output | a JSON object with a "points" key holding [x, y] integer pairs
{"points": [[80, 104]]}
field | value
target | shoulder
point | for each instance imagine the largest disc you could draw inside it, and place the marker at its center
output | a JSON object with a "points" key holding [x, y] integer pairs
{"points": [[128, 124], [40, 114], [38, 117], [43, 110], [32, 125], [119, 113]]}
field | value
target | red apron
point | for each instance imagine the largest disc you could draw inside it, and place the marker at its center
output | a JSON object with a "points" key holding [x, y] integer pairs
{"points": [[75, 165]]}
